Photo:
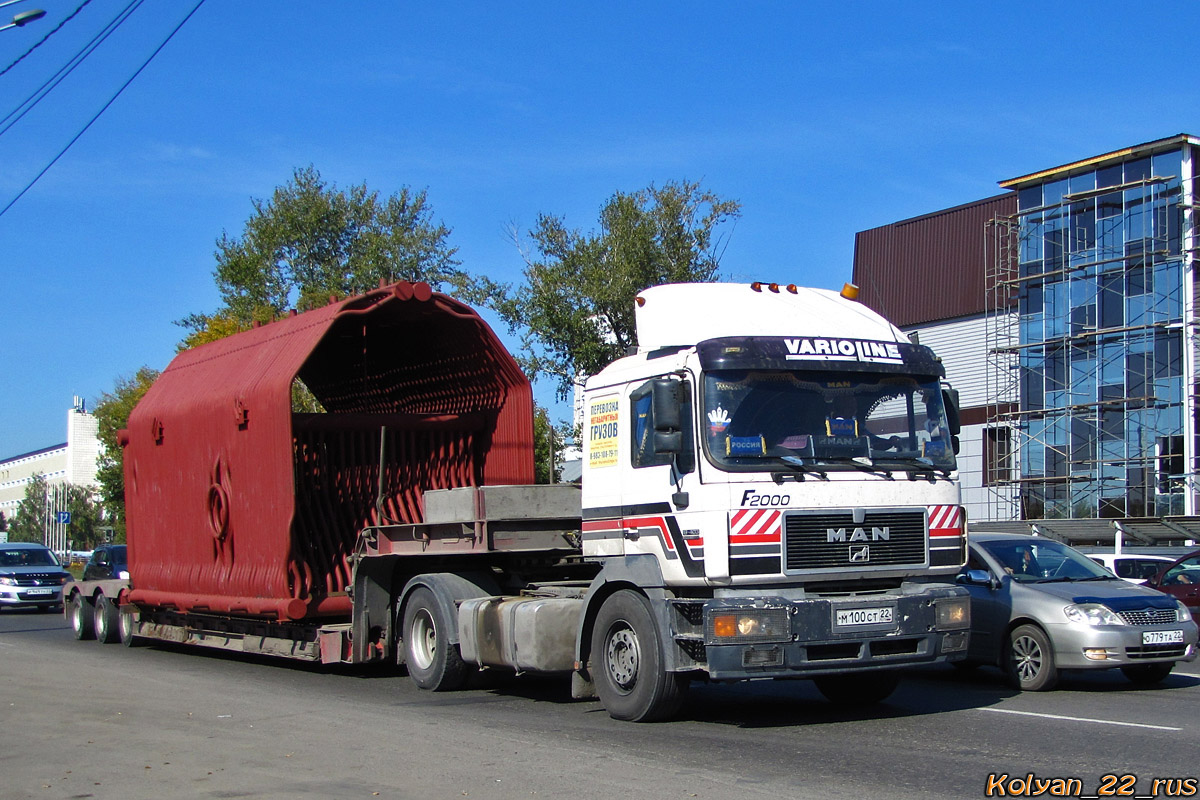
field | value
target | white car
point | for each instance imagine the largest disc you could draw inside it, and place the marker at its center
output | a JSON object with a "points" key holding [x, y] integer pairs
{"points": [[1132, 567]]}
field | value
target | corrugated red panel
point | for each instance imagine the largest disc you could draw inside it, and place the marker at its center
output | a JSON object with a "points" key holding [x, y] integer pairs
{"points": [[931, 267], [236, 504]]}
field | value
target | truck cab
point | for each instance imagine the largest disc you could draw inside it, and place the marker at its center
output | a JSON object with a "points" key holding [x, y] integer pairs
{"points": [[779, 463]]}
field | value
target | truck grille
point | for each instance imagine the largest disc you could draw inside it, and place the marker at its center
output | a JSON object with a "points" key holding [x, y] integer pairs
{"points": [[1148, 616], [890, 538]]}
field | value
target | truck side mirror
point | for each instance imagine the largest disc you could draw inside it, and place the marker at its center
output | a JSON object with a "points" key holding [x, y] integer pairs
{"points": [[950, 401], [666, 399]]}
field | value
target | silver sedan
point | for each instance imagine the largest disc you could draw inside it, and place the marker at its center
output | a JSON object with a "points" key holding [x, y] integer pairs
{"points": [[1039, 606]]}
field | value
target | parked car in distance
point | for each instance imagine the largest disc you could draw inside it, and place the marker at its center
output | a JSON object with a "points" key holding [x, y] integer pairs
{"points": [[30, 575], [1132, 567], [1181, 580], [1039, 606], [107, 561]]}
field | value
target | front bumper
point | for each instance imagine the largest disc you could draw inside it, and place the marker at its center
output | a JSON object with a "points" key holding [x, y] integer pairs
{"points": [[818, 640], [1079, 646], [30, 595]]}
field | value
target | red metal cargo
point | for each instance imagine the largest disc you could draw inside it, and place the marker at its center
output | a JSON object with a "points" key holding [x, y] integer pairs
{"points": [[235, 504]]}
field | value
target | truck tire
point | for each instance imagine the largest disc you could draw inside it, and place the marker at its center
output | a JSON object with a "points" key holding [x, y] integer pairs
{"points": [[1148, 674], [434, 662], [79, 613], [865, 689], [126, 627], [1029, 660], [107, 621], [627, 662]]}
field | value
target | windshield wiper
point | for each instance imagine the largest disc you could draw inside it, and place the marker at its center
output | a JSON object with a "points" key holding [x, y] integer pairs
{"points": [[798, 464], [923, 465], [861, 464]]}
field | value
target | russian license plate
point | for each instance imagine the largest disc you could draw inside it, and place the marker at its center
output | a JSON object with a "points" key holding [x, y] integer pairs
{"points": [[863, 616], [1162, 637], [51, 591]]}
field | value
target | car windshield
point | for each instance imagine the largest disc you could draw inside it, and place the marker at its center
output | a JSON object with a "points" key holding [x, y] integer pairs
{"points": [[1041, 560], [27, 557], [826, 420]]}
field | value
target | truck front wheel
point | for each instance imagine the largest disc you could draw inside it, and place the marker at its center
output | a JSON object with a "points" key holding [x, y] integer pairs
{"points": [[434, 662], [627, 662]]}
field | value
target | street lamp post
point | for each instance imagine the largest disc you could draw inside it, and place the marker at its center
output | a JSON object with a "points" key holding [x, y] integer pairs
{"points": [[23, 18]]}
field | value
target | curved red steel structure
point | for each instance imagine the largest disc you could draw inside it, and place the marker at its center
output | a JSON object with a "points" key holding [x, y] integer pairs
{"points": [[236, 504]]}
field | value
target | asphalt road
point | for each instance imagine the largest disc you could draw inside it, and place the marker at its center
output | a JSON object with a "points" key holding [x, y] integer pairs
{"points": [[79, 719]]}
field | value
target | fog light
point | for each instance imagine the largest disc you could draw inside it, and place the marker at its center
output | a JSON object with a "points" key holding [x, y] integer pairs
{"points": [[953, 642], [1095, 653], [953, 613]]}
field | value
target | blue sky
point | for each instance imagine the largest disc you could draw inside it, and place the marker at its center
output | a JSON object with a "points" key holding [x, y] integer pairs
{"points": [[823, 119]]}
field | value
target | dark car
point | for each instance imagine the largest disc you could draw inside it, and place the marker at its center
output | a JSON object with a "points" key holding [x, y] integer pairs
{"points": [[1181, 580], [107, 561], [30, 575]]}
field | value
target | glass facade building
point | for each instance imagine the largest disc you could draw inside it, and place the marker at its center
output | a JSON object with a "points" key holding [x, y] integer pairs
{"points": [[1094, 290]]}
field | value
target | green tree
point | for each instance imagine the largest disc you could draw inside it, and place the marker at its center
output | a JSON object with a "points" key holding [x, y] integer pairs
{"points": [[112, 414], [3, 523], [29, 523], [310, 241], [574, 310]]}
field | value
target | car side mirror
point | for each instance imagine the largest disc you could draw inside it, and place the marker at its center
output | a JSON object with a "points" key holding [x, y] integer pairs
{"points": [[974, 577]]}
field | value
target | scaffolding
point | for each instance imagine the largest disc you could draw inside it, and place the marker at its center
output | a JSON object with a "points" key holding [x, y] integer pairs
{"points": [[1090, 351]]}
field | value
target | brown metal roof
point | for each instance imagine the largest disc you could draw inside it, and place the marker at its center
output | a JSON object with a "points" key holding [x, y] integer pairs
{"points": [[931, 267]]}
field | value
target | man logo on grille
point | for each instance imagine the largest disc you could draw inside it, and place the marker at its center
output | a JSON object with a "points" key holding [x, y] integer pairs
{"points": [[860, 554]]}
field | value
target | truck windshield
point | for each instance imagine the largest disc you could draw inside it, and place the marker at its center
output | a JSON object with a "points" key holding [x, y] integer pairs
{"points": [[768, 419]]}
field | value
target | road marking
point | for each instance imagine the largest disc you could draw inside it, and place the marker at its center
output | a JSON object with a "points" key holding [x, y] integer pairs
{"points": [[1083, 719]]}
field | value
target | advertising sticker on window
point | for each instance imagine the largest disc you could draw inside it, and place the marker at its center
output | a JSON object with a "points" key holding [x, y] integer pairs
{"points": [[603, 414]]}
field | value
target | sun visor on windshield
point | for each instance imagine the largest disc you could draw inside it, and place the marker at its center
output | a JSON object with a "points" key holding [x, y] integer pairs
{"points": [[810, 352]]}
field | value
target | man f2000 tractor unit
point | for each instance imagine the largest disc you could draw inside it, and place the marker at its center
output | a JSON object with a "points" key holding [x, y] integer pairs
{"points": [[768, 492]]}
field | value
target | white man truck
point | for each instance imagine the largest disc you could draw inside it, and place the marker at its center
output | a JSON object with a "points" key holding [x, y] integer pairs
{"points": [[768, 492]]}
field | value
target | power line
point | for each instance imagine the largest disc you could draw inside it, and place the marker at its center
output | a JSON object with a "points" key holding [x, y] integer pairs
{"points": [[104, 108], [42, 41], [51, 83]]}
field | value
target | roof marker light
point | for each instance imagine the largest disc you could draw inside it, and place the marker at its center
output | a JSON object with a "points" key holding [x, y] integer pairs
{"points": [[791, 287], [849, 291], [756, 286], [774, 287], [641, 301]]}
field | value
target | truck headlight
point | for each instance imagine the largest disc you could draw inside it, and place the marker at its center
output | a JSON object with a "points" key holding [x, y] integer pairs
{"points": [[953, 612], [1092, 614], [745, 625]]}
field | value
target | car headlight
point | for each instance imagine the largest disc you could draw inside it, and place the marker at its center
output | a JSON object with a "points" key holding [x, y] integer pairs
{"points": [[123, 574], [7, 580], [1182, 613], [1092, 614]]}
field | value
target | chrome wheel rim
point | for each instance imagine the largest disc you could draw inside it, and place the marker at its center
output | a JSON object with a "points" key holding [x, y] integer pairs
{"points": [[424, 639], [624, 657], [1027, 658]]}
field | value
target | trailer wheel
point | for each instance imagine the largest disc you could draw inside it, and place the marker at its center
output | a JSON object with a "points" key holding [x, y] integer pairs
{"points": [[627, 662], [107, 620], [866, 689], [79, 612], [127, 624], [434, 662]]}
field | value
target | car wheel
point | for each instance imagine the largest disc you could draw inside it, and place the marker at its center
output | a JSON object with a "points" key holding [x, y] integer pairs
{"points": [[1147, 674], [1029, 661], [434, 662], [107, 621], [627, 662], [80, 614], [866, 689]]}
